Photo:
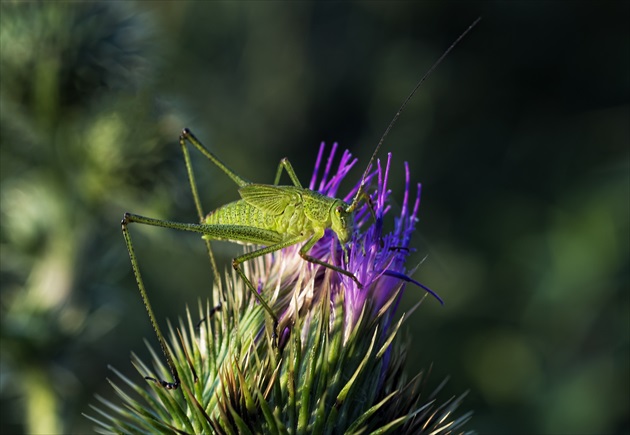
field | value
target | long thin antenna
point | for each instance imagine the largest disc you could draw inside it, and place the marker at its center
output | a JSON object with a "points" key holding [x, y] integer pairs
{"points": [[402, 107]]}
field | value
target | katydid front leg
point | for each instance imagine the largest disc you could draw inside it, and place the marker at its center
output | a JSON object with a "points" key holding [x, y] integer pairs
{"points": [[307, 247]]}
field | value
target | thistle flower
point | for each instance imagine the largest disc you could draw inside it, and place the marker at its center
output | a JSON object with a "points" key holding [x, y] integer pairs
{"points": [[338, 366]]}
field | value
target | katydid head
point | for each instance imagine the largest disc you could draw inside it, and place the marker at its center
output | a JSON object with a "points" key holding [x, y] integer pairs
{"points": [[342, 222]]}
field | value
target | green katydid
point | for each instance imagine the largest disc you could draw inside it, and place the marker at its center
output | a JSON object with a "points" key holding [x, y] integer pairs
{"points": [[272, 216]]}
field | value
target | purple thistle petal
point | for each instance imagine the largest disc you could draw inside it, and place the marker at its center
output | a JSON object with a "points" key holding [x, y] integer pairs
{"points": [[416, 206], [403, 212], [344, 167], [404, 277], [320, 154], [328, 165], [375, 258]]}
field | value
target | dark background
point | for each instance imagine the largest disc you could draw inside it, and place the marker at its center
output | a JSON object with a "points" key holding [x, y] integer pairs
{"points": [[520, 139]]}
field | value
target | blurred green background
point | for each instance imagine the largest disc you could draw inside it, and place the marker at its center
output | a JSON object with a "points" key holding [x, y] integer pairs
{"points": [[520, 138]]}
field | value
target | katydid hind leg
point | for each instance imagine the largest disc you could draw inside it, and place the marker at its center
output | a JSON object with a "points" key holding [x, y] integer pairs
{"points": [[145, 299], [200, 214], [288, 167], [134, 218], [187, 135]]}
